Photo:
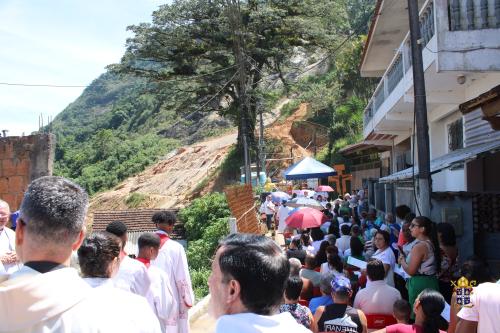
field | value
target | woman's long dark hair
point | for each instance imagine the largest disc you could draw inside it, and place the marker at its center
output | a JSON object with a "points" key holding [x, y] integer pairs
{"points": [[432, 303], [321, 254], [305, 239], [430, 231], [335, 262]]}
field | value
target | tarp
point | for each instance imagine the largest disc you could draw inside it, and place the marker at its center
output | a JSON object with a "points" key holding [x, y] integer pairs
{"points": [[308, 168]]}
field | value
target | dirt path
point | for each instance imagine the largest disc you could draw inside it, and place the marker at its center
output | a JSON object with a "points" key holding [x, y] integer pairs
{"points": [[170, 182]]}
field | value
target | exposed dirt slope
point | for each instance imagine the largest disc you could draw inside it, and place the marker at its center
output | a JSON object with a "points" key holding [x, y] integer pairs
{"points": [[170, 182]]}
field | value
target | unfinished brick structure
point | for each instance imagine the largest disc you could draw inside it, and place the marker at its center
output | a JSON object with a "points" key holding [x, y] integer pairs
{"points": [[23, 159]]}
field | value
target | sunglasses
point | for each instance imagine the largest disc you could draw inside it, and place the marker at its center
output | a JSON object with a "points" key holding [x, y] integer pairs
{"points": [[414, 225]]}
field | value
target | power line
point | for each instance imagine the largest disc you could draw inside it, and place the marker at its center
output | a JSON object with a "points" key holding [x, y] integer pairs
{"points": [[211, 99], [40, 85], [86, 86]]}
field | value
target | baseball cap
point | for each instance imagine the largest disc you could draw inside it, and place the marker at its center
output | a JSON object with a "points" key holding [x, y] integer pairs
{"points": [[341, 284]]}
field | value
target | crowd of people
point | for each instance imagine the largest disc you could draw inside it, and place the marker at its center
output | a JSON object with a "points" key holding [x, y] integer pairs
{"points": [[363, 272], [58, 278], [383, 264]]}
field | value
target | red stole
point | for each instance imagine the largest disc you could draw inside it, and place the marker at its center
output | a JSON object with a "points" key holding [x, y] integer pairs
{"points": [[146, 262], [163, 238]]}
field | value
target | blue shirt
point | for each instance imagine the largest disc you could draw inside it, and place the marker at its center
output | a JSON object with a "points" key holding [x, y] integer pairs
{"points": [[315, 302]]}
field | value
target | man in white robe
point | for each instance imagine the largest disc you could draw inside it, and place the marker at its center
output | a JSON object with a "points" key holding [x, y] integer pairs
{"points": [[46, 295], [172, 260], [132, 276], [9, 262], [160, 297]]}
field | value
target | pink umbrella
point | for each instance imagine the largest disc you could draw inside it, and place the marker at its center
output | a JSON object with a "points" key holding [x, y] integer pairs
{"points": [[305, 218], [324, 188]]}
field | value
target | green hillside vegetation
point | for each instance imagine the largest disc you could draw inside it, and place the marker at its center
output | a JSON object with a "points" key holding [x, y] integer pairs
{"points": [[182, 68], [120, 125]]}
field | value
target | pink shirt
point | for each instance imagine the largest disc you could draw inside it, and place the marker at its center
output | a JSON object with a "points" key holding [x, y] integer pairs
{"points": [[403, 328]]}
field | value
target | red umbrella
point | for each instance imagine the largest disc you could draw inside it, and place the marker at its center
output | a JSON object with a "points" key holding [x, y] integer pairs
{"points": [[305, 218], [324, 188]]}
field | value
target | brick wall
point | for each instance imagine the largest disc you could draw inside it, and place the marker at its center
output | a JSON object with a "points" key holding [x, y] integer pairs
{"points": [[23, 159], [242, 204]]}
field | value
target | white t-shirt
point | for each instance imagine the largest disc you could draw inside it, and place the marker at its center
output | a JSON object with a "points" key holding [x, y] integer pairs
{"points": [[485, 310], [377, 297], [316, 245], [267, 208], [254, 323], [387, 257], [283, 212], [325, 269], [343, 243]]}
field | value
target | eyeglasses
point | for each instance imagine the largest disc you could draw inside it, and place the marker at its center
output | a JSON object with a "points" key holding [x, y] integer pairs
{"points": [[414, 225]]}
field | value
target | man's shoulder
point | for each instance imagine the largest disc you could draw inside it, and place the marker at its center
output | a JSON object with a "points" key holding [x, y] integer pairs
{"points": [[9, 231], [388, 290], [172, 246], [121, 301], [105, 303], [131, 265], [254, 323]]}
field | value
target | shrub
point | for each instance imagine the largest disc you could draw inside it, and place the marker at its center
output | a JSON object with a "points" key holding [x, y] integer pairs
{"points": [[206, 222], [135, 199], [199, 279], [202, 212]]}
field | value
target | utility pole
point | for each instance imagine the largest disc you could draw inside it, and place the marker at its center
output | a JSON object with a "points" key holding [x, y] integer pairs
{"points": [[262, 153], [235, 19], [420, 109], [314, 142]]}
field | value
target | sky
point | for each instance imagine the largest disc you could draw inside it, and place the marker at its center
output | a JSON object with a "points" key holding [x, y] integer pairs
{"points": [[58, 42]]}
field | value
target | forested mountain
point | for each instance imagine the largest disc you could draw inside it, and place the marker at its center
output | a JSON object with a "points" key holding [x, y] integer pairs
{"points": [[200, 67]]}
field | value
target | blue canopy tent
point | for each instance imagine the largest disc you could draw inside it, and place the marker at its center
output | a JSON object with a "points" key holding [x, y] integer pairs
{"points": [[308, 168]]}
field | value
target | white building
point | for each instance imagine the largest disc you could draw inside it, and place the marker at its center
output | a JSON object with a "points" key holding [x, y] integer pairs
{"points": [[461, 56]]}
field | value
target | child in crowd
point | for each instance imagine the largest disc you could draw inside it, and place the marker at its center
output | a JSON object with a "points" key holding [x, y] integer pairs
{"points": [[401, 311]]}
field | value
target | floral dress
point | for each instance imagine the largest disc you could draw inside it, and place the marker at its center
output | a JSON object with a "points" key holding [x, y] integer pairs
{"points": [[299, 312]]}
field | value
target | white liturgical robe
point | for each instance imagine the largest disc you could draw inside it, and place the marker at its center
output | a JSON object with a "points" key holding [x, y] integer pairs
{"points": [[8, 244], [132, 276], [60, 301], [172, 260], [161, 298]]}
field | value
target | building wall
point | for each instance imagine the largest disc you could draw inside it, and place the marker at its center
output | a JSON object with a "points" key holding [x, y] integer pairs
{"points": [[23, 159], [359, 176], [465, 241], [483, 175]]}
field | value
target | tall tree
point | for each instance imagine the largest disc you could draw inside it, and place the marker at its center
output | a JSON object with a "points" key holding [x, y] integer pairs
{"points": [[224, 57]]}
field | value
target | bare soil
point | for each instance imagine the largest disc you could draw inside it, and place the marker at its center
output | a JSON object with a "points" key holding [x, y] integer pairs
{"points": [[172, 181]]}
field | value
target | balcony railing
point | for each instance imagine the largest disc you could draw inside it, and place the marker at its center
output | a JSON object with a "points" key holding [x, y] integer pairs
{"points": [[474, 14], [401, 63]]}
